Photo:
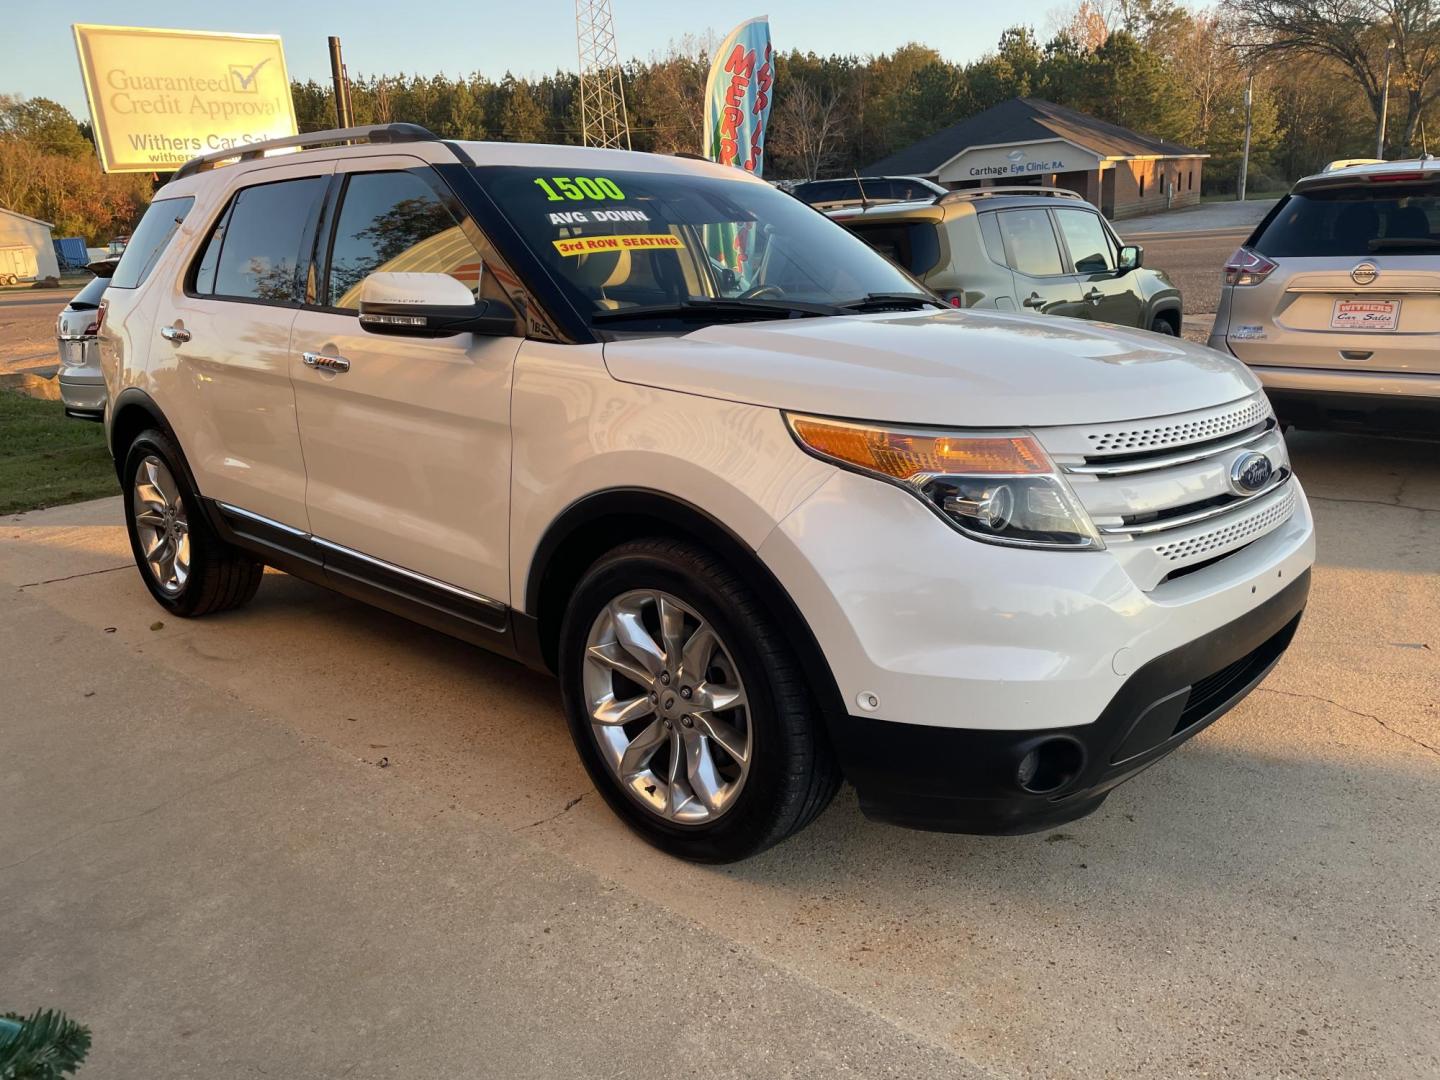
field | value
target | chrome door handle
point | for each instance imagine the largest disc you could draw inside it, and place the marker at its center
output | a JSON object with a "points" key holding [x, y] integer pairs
{"points": [[177, 334], [321, 362], [1094, 295], [1033, 301]]}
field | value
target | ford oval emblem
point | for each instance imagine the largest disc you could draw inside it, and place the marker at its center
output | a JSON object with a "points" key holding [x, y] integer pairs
{"points": [[1364, 273], [1250, 472]]}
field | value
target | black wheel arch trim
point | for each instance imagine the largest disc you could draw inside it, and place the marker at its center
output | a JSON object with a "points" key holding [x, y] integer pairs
{"points": [[704, 528], [130, 399]]}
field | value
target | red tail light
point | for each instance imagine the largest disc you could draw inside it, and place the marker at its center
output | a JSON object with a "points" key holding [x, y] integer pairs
{"points": [[956, 300], [1247, 267], [94, 328]]}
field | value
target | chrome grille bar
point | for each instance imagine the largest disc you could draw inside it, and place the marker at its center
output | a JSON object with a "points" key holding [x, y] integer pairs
{"points": [[1167, 524], [1167, 461]]}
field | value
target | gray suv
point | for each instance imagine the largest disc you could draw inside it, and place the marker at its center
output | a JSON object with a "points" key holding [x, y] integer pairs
{"points": [[1334, 300], [1037, 249]]}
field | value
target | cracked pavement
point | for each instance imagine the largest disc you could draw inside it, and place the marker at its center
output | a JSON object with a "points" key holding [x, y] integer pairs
{"points": [[375, 845]]}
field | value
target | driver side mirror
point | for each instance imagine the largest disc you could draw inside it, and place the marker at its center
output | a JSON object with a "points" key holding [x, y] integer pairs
{"points": [[428, 305], [1132, 257]]}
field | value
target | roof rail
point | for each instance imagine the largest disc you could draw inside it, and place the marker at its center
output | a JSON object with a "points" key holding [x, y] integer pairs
{"points": [[370, 133], [965, 194]]}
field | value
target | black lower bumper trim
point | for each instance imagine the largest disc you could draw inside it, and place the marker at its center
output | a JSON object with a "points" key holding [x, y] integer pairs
{"points": [[983, 781]]}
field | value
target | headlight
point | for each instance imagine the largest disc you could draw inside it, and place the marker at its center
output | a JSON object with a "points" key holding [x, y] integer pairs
{"points": [[1000, 487]]}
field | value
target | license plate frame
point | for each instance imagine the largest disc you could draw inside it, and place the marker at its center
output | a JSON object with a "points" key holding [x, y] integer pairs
{"points": [[1378, 315]]}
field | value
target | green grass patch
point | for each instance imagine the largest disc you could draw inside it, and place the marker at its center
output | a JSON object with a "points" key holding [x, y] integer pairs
{"points": [[48, 459]]}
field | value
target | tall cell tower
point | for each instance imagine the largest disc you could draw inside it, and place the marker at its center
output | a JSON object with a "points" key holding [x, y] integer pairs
{"points": [[603, 121]]}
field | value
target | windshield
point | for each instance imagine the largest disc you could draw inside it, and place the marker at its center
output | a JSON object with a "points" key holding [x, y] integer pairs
{"points": [[621, 240], [1353, 222]]}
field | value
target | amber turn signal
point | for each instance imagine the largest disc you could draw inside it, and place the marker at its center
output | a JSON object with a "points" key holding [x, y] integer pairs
{"points": [[905, 455]]}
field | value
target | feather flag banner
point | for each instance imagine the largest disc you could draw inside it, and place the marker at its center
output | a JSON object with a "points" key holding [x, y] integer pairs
{"points": [[737, 98]]}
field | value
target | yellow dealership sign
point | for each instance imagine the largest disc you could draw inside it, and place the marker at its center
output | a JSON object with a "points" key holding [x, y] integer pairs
{"points": [[160, 97]]}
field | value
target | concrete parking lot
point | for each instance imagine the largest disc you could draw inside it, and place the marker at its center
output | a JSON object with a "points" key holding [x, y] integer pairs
{"points": [[310, 839]]}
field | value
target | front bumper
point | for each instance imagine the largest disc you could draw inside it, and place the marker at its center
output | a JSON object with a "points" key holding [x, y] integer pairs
{"points": [[966, 780], [950, 656]]}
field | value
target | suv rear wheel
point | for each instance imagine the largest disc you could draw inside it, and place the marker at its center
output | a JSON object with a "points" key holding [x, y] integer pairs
{"points": [[687, 707], [188, 569]]}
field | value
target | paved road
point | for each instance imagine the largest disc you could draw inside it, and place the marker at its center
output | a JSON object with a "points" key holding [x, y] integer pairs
{"points": [[309, 839], [27, 330], [1194, 262]]}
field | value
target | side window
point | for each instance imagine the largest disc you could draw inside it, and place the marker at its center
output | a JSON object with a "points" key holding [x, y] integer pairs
{"points": [[394, 221], [1031, 242], [254, 250], [1087, 240], [151, 237], [994, 245]]}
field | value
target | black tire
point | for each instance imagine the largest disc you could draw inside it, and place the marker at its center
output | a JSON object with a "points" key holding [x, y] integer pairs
{"points": [[221, 576], [1162, 325], [793, 774]]}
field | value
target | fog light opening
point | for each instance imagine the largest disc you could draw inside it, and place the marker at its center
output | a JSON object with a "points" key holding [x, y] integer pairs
{"points": [[1050, 766]]}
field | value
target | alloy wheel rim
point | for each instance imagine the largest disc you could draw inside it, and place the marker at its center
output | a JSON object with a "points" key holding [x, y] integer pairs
{"points": [[161, 525], [667, 707]]}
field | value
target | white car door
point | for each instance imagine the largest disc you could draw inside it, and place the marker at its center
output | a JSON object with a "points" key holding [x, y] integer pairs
{"points": [[407, 449], [220, 361]]}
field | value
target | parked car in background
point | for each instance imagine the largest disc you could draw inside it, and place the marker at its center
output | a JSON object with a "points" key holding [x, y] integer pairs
{"points": [[865, 190], [82, 385], [1045, 250], [1334, 300]]}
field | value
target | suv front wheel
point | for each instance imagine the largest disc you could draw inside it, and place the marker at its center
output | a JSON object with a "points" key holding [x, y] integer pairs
{"points": [[189, 570], [687, 707]]}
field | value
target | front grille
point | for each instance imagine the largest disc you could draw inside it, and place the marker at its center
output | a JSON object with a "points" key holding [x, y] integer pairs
{"points": [[1163, 434], [1230, 535], [1160, 492]]}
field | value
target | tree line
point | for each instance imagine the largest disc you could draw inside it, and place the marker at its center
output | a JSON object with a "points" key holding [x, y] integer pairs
{"points": [[1155, 66], [1316, 69]]}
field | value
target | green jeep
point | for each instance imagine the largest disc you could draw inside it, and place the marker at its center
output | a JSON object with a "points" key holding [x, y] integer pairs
{"points": [[1021, 248]]}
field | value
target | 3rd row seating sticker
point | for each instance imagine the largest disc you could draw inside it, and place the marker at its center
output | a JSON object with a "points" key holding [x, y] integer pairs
{"points": [[587, 245]]}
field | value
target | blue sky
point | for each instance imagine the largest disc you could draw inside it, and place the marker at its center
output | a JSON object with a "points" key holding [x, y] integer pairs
{"points": [[37, 53]]}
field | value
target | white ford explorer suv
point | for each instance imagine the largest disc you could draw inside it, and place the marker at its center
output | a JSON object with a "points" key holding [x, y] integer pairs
{"points": [[773, 514]]}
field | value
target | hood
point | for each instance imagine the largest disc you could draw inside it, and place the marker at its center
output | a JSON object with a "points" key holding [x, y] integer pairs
{"points": [[959, 368]]}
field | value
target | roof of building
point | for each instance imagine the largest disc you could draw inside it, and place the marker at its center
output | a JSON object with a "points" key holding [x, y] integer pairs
{"points": [[27, 217], [1025, 120]]}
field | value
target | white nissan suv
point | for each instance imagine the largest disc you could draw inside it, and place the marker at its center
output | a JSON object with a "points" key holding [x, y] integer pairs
{"points": [[773, 513]]}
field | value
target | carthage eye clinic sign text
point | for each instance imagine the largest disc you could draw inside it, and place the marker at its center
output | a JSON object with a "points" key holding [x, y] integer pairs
{"points": [[160, 97]]}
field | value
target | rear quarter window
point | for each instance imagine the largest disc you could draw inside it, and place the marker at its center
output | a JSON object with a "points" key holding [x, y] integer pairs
{"points": [[151, 238], [1353, 222]]}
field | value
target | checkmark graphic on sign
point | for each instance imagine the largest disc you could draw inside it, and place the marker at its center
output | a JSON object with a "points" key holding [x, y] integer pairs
{"points": [[244, 76]]}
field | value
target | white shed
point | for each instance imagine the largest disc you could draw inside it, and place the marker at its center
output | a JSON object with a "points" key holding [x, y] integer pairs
{"points": [[26, 250]]}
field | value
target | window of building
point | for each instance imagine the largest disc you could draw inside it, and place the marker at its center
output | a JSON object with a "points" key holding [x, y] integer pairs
{"points": [[1142, 183]]}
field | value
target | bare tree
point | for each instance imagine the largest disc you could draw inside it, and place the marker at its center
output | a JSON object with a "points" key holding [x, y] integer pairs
{"points": [[807, 125], [1355, 34]]}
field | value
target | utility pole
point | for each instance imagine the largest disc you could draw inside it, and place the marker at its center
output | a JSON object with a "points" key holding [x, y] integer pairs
{"points": [[344, 117], [1245, 154], [1384, 104]]}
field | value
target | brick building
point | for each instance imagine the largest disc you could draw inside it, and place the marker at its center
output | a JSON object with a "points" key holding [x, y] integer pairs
{"points": [[1027, 141]]}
